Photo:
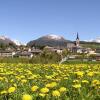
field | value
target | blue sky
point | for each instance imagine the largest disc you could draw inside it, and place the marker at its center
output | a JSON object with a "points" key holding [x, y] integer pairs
{"points": [[26, 20]]}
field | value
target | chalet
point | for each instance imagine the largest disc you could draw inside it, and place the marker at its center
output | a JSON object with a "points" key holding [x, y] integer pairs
{"points": [[70, 45], [97, 57], [35, 51], [91, 51], [48, 48], [27, 53], [97, 50], [6, 53], [54, 49], [23, 54]]}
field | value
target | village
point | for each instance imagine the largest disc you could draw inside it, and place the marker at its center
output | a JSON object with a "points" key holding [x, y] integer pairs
{"points": [[72, 52]]}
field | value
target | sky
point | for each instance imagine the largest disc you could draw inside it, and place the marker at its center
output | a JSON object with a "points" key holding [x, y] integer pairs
{"points": [[26, 20]]}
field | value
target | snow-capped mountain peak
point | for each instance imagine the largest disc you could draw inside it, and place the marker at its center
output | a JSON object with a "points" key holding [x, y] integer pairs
{"points": [[18, 43], [53, 36], [3, 37], [97, 40]]}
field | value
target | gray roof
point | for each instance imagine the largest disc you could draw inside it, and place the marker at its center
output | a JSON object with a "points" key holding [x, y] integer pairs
{"points": [[36, 51], [23, 54], [6, 51], [98, 54]]}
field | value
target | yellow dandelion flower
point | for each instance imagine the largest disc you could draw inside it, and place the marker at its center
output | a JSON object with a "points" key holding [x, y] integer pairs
{"points": [[79, 73], [11, 89], [51, 85], [23, 81], [56, 93], [34, 88], [77, 86], [26, 97], [66, 78], [42, 95], [62, 89], [44, 90], [22, 76], [75, 81], [85, 81], [15, 85], [1, 78], [3, 92], [90, 74], [95, 82], [12, 80], [48, 85], [48, 77]]}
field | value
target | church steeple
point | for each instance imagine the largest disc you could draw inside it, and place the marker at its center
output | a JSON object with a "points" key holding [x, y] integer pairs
{"points": [[77, 36], [77, 40]]}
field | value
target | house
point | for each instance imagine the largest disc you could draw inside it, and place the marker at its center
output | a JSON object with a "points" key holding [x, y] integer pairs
{"points": [[35, 51], [54, 49], [91, 52], [6, 53], [23, 54], [97, 50], [48, 48], [70, 45], [29, 53], [97, 57], [79, 50]]}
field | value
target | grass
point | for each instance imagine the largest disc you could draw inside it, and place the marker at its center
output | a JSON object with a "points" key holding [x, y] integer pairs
{"points": [[49, 81]]}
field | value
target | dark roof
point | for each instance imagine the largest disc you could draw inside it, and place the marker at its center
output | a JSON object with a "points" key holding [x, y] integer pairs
{"points": [[36, 51], [98, 54], [75, 47], [98, 50], [23, 54], [5, 51]]}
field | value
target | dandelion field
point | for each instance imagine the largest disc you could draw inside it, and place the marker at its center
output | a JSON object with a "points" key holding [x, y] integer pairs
{"points": [[49, 82]]}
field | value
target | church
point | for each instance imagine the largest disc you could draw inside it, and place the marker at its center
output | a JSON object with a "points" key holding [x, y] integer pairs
{"points": [[77, 41], [77, 48]]}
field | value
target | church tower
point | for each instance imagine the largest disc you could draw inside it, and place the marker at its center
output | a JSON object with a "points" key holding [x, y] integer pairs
{"points": [[77, 40]]}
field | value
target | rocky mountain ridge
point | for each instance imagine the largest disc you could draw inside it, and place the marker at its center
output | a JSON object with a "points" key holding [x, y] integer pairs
{"points": [[50, 40]]}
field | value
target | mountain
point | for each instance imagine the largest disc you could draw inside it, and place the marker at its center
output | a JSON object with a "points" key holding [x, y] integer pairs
{"points": [[49, 40], [54, 37], [88, 44], [5, 40], [18, 43], [97, 40]]}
